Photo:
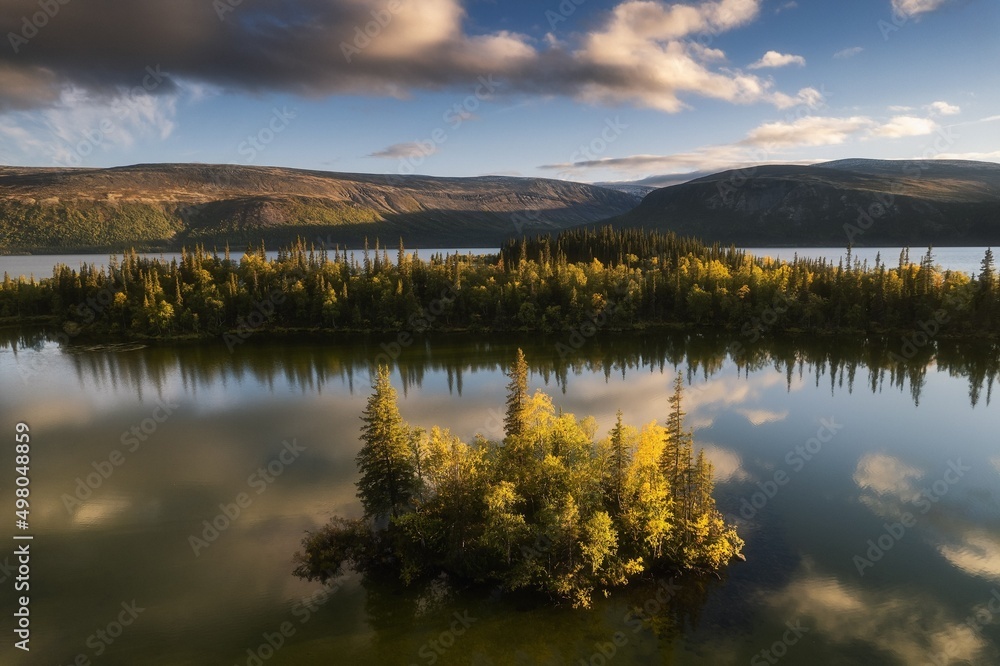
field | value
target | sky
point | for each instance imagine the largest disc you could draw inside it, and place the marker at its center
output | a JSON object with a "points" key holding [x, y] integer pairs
{"points": [[587, 90]]}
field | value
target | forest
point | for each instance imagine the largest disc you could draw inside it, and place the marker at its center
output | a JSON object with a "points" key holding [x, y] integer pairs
{"points": [[546, 509], [578, 281]]}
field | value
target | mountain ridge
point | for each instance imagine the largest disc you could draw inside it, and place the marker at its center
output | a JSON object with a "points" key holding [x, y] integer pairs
{"points": [[169, 205], [166, 206], [858, 201]]}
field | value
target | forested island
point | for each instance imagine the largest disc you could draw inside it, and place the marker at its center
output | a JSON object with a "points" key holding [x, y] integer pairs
{"points": [[547, 509], [577, 282]]}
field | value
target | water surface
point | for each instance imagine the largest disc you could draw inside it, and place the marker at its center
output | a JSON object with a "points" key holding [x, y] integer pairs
{"points": [[897, 431], [965, 259], [41, 265]]}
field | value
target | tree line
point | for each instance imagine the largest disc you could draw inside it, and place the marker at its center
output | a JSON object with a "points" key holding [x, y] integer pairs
{"points": [[850, 364], [577, 280], [548, 508]]}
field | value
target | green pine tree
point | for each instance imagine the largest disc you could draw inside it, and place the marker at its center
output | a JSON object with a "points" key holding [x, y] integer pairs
{"points": [[385, 461], [619, 465], [517, 397], [987, 271], [678, 448]]}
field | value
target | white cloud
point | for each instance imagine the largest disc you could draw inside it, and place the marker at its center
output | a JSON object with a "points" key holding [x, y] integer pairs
{"points": [[775, 59], [23, 142], [898, 108], [902, 126], [642, 55], [849, 52], [705, 53], [708, 158], [916, 7], [643, 20], [791, 4], [993, 156], [766, 143], [807, 131], [81, 126], [405, 150], [944, 109]]}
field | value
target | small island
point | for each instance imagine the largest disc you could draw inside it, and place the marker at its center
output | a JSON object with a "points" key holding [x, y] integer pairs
{"points": [[578, 282], [547, 509]]}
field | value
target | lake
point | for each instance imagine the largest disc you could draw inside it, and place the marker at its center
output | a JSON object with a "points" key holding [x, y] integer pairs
{"points": [[41, 265], [869, 499], [965, 259]]}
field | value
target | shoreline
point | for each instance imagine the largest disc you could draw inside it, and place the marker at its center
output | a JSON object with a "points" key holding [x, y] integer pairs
{"points": [[280, 334]]}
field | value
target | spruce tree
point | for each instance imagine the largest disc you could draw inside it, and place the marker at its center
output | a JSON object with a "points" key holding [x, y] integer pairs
{"points": [[619, 465], [702, 485], [987, 271], [385, 461], [677, 452], [517, 397]]}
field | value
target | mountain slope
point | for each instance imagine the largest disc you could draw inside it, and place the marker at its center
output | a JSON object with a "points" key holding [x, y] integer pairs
{"points": [[168, 205], [866, 202]]}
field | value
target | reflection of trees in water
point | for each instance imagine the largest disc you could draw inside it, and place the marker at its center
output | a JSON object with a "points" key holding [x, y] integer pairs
{"points": [[525, 628], [309, 364], [670, 606]]}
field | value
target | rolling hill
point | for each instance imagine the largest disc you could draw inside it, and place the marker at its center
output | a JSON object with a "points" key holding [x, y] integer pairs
{"points": [[866, 202], [165, 206]]}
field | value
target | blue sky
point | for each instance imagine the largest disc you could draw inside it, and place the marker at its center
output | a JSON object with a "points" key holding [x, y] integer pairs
{"points": [[588, 90]]}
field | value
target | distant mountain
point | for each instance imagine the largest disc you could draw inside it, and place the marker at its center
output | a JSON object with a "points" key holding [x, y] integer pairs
{"points": [[636, 189], [867, 202], [165, 206], [667, 180]]}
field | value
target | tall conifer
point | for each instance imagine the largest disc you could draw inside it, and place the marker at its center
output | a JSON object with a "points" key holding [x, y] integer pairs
{"points": [[517, 397], [385, 461]]}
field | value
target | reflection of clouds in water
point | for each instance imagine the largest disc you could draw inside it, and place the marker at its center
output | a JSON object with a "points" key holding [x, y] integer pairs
{"points": [[727, 463], [885, 620], [886, 482], [761, 416], [217, 381], [68, 412], [726, 391], [703, 401], [975, 551], [642, 396], [236, 410], [888, 485], [190, 465], [713, 397], [94, 512]]}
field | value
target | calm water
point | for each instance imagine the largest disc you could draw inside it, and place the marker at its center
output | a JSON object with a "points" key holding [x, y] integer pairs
{"points": [[965, 259], [898, 437], [41, 265]]}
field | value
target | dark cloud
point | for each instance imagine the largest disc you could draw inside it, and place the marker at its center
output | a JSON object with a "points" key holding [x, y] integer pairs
{"points": [[385, 47], [308, 47]]}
